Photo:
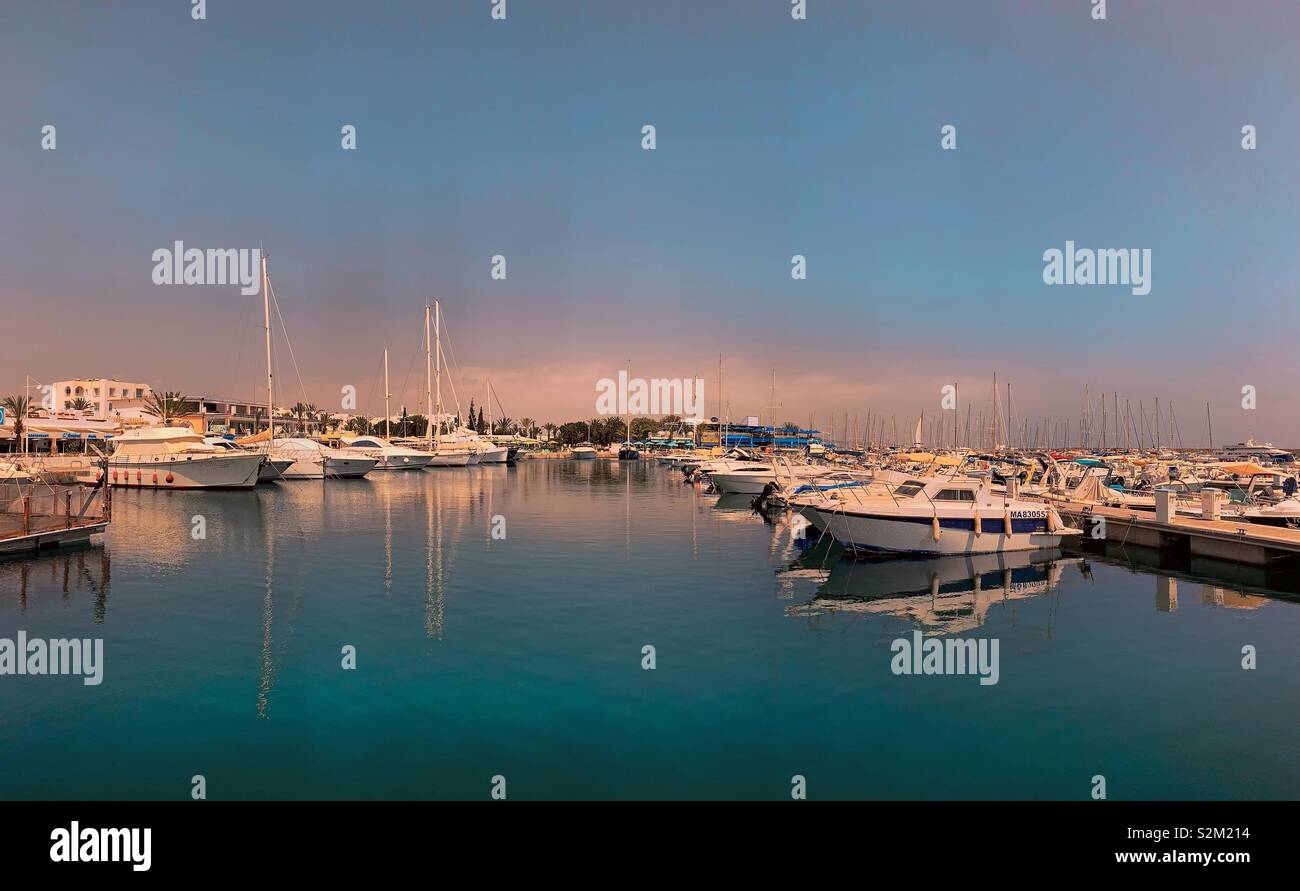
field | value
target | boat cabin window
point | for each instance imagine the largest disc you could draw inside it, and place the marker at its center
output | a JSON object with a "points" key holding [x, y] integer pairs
{"points": [[908, 489], [955, 495]]}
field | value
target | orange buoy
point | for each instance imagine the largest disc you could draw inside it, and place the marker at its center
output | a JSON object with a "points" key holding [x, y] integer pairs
{"points": [[1006, 521], [170, 478], [935, 525], [155, 477], [139, 477]]}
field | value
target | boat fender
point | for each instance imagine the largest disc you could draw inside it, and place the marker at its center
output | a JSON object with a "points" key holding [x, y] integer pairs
{"points": [[155, 477], [935, 524], [978, 527], [170, 478], [1053, 521], [1006, 521]]}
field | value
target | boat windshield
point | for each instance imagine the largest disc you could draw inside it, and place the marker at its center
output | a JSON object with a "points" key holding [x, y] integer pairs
{"points": [[908, 489]]}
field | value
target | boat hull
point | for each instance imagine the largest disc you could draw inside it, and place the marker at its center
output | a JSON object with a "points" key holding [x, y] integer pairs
{"points": [[192, 472], [273, 469], [403, 462], [915, 534], [461, 459], [494, 455], [742, 483], [333, 468]]}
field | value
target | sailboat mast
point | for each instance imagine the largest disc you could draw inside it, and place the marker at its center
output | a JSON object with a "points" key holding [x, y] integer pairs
{"points": [[428, 380], [388, 415], [270, 376], [437, 340]]}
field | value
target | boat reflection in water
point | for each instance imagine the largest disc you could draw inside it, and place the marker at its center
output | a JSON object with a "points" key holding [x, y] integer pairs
{"points": [[944, 595]]}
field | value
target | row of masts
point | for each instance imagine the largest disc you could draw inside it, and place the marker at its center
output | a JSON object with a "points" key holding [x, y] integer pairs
{"points": [[1101, 426], [432, 358]]}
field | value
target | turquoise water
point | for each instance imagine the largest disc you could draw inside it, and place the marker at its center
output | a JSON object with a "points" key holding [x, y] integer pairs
{"points": [[522, 656]]}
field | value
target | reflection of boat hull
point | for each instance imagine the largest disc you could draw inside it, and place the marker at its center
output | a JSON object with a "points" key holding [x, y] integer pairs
{"points": [[196, 472], [906, 534], [951, 594]]}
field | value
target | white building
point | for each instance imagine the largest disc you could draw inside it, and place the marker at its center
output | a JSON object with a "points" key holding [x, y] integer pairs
{"points": [[105, 395]]}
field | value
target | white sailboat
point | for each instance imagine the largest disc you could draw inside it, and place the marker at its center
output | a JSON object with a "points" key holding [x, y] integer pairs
{"points": [[307, 459], [447, 450]]}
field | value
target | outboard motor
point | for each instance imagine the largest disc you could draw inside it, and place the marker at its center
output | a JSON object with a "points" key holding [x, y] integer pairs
{"points": [[759, 504]]}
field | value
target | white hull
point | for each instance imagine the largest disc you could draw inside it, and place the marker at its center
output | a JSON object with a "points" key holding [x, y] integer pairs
{"points": [[912, 536], [584, 454], [185, 472], [334, 468], [403, 462], [451, 460], [738, 482], [494, 455]]}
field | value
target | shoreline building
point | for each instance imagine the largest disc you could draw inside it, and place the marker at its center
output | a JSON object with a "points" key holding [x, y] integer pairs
{"points": [[105, 396]]}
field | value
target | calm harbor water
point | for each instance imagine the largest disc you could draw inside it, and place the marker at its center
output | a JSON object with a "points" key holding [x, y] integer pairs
{"points": [[522, 656]]}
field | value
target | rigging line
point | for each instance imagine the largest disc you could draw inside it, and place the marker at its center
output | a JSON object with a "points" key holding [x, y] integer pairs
{"points": [[406, 381], [287, 342], [454, 364]]}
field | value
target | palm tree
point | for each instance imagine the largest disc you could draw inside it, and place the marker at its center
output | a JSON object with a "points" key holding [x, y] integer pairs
{"points": [[299, 410], [526, 425], [550, 427], [326, 420], [18, 406], [502, 425], [166, 406], [81, 404]]}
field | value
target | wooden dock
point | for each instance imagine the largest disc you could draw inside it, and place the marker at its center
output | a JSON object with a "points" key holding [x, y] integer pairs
{"points": [[33, 518], [1248, 543]]}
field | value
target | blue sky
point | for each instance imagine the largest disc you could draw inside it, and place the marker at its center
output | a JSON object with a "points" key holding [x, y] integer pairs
{"points": [[775, 137]]}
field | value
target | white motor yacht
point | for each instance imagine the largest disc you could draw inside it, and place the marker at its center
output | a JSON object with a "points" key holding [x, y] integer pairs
{"points": [[178, 458], [387, 455], [314, 461], [933, 515]]}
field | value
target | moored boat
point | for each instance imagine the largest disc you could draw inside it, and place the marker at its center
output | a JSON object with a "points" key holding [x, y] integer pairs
{"points": [[178, 458]]}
